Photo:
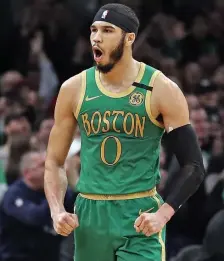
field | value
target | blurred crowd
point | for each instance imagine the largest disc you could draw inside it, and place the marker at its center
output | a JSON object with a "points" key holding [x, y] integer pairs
{"points": [[44, 42]]}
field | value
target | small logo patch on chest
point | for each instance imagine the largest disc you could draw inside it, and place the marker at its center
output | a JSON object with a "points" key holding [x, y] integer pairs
{"points": [[136, 98]]}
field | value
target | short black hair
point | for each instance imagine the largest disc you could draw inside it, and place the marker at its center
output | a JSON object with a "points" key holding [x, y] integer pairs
{"points": [[123, 9]]}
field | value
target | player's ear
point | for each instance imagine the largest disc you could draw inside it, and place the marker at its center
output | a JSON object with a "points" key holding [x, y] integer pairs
{"points": [[130, 38]]}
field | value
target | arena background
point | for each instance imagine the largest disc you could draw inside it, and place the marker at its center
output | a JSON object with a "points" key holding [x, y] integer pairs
{"points": [[44, 42]]}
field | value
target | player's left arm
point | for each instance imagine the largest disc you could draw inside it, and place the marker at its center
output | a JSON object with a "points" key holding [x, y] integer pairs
{"points": [[168, 100], [182, 140]]}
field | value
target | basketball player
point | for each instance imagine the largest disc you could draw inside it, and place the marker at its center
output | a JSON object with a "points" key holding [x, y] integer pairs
{"points": [[117, 106]]}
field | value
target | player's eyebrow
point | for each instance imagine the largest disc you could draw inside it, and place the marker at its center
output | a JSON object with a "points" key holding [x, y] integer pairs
{"points": [[108, 27], [103, 26], [92, 27]]}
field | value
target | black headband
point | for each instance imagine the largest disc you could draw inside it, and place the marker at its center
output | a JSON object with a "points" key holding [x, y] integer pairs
{"points": [[118, 19]]}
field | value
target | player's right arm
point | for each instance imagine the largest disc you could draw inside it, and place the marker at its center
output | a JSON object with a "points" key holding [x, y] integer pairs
{"points": [[55, 179]]}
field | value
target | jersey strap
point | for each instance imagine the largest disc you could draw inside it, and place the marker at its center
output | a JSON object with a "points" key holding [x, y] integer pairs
{"points": [[148, 84], [143, 86], [82, 94], [148, 101]]}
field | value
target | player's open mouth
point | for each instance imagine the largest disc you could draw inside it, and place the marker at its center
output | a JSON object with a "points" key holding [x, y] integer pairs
{"points": [[98, 54]]}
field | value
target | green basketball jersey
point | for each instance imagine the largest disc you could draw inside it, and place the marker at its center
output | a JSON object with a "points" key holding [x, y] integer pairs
{"points": [[120, 139]]}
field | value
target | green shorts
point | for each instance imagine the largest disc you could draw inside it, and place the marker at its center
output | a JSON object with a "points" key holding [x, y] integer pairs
{"points": [[106, 231]]}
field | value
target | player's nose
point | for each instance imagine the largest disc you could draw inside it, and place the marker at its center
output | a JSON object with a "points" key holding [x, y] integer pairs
{"points": [[97, 38]]}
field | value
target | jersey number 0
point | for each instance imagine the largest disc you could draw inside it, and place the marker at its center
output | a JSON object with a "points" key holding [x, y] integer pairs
{"points": [[118, 150]]}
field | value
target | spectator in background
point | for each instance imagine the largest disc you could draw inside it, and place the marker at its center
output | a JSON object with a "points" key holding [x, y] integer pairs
{"points": [[214, 238], [26, 231], [15, 124], [212, 247], [10, 80], [45, 129], [192, 101], [199, 120], [39, 140], [48, 80], [207, 93], [19, 146], [192, 75], [197, 41], [169, 67]]}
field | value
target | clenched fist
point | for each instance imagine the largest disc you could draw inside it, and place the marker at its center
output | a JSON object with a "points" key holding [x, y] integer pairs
{"points": [[149, 223], [64, 223]]}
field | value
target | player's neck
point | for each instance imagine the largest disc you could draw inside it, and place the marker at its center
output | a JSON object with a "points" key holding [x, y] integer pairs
{"points": [[125, 69]]}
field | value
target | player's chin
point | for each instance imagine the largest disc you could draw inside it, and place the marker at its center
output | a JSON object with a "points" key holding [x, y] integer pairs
{"points": [[101, 64]]}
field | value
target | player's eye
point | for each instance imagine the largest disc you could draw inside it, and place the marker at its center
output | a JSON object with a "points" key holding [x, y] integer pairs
{"points": [[93, 30], [107, 30]]}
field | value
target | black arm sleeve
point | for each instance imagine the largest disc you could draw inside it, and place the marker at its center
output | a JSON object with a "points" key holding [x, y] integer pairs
{"points": [[184, 144]]}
